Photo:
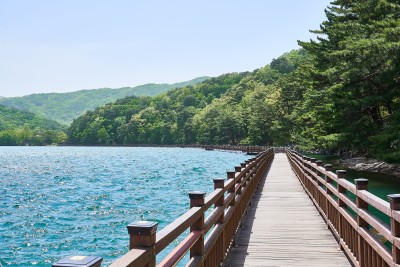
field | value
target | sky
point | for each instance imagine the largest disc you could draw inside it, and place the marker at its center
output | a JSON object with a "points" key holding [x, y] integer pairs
{"points": [[63, 46]]}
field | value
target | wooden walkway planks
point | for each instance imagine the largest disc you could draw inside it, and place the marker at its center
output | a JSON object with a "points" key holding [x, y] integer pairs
{"points": [[283, 228]]}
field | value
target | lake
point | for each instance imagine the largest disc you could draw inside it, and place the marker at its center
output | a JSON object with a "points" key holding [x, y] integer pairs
{"points": [[58, 201]]}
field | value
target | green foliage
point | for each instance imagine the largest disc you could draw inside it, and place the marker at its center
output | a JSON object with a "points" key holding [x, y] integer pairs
{"points": [[164, 119], [354, 100], [25, 128], [64, 107], [232, 108], [11, 118]]}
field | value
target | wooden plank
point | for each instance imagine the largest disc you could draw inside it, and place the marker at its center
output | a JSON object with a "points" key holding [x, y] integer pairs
{"points": [[283, 228]]}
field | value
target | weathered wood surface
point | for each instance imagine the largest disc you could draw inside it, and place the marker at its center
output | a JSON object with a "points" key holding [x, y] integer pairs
{"points": [[283, 228]]}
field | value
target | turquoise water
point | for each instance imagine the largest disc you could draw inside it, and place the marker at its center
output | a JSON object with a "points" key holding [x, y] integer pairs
{"points": [[379, 184], [58, 201]]}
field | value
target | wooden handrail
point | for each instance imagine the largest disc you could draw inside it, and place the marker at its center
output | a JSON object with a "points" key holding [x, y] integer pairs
{"points": [[174, 229], [177, 254], [352, 232], [228, 203], [248, 149]]}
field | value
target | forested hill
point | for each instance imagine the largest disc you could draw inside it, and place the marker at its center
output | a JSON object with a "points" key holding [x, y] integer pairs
{"points": [[11, 118], [232, 108], [64, 107], [21, 128]]}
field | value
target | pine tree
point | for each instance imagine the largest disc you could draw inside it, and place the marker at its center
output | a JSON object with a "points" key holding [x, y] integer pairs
{"points": [[357, 51]]}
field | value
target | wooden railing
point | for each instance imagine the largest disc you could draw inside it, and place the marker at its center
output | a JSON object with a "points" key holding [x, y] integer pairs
{"points": [[210, 237], [248, 149], [364, 238]]}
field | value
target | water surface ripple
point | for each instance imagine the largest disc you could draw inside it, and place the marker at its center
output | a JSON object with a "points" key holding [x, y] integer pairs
{"points": [[58, 201]]}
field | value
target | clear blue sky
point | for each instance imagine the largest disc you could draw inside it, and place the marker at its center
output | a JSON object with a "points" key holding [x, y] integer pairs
{"points": [[60, 46]]}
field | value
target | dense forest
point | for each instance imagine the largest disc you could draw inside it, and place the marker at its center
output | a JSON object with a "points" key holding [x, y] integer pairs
{"points": [[339, 92], [25, 128], [64, 107]]}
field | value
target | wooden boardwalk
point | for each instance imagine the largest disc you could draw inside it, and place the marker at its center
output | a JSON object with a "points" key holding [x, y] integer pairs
{"points": [[283, 228]]}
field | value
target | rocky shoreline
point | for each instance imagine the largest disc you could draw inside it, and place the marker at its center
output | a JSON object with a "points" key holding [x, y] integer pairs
{"points": [[370, 165]]}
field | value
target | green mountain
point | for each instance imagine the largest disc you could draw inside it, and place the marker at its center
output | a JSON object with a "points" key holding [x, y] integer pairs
{"points": [[11, 119], [26, 128], [64, 107]]}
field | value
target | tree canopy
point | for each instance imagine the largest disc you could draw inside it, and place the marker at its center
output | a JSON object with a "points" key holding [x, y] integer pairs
{"points": [[64, 107], [26, 128], [356, 59]]}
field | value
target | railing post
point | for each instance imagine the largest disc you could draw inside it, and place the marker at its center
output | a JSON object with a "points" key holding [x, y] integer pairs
{"points": [[341, 174], [313, 160], [303, 166], [319, 164], [361, 184], [79, 261], [394, 200], [197, 200], [231, 175], [328, 168], [143, 234], [239, 181], [219, 183]]}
